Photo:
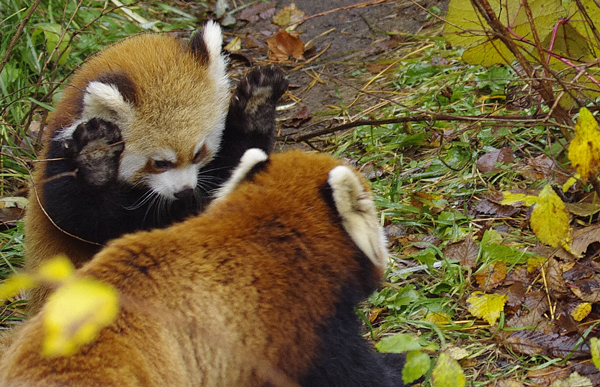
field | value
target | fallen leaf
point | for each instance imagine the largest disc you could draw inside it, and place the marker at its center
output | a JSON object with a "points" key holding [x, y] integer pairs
{"points": [[465, 251], [541, 168], [595, 350], [374, 313], [555, 279], [587, 289], [55, 270], [438, 318], [417, 364], [456, 352], [550, 220], [447, 373], [584, 150], [257, 12], [531, 342], [488, 162], [285, 45], [234, 46], [289, 15], [486, 306], [491, 276], [302, 117], [546, 375], [574, 380], [583, 209], [488, 207], [515, 294], [535, 263], [510, 198], [398, 343], [583, 238], [581, 311]]}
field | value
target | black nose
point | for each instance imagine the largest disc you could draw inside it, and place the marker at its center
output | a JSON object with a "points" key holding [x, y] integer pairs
{"points": [[185, 194]]}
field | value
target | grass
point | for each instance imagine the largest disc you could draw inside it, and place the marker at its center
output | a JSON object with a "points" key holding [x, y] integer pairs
{"points": [[424, 174]]}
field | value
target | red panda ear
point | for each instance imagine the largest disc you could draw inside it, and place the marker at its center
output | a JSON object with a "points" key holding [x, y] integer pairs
{"points": [[357, 211], [250, 159]]}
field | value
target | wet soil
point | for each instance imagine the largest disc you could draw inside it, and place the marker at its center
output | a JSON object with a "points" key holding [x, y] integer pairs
{"points": [[345, 43]]}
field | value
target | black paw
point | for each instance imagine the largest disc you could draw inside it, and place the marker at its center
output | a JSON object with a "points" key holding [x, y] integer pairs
{"points": [[256, 97], [96, 148]]}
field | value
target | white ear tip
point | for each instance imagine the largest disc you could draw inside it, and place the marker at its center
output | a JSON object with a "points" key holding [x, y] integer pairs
{"points": [[253, 156], [358, 214]]}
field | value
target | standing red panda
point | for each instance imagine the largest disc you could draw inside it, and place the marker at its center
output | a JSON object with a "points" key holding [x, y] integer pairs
{"points": [[144, 132], [259, 290]]}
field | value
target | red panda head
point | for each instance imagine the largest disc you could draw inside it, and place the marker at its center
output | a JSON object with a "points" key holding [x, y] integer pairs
{"points": [[170, 101]]}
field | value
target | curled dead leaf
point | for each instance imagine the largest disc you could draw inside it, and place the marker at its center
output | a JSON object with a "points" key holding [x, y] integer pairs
{"points": [[488, 162], [491, 276], [284, 46]]}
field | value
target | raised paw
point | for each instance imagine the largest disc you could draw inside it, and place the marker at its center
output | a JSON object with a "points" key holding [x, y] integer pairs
{"points": [[96, 147], [256, 98]]}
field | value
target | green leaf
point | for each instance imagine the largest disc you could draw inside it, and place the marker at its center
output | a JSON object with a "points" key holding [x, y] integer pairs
{"points": [[399, 343], [417, 364], [595, 349], [447, 373]]}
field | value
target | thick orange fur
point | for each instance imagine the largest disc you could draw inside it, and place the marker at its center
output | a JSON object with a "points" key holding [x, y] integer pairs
{"points": [[167, 92], [229, 298]]}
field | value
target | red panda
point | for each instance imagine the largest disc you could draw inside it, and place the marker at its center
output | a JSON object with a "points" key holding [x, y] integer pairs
{"points": [[258, 290], [144, 132]]}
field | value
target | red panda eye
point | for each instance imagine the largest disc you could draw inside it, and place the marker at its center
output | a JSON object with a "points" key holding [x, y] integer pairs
{"points": [[163, 164]]}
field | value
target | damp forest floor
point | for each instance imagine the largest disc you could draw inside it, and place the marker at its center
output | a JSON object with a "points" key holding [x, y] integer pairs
{"points": [[362, 75]]}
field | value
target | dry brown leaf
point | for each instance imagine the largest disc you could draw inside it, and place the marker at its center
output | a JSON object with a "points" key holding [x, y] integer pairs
{"points": [[466, 251], [545, 376], [587, 289], [540, 168], [515, 293], [555, 280], [257, 12], [300, 118], [374, 313], [488, 207], [583, 209], [583, 238], [531, 342], [285, 45], [492, 276], [487, 162]]}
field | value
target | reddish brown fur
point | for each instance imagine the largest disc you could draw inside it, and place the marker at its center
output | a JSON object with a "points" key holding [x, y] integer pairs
{"points": [[186, 77], [212, 300]]}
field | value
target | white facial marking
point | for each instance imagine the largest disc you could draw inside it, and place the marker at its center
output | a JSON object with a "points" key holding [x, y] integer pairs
{"points": [[130, 164], [247, 162], [359, 218], [103, 101], [175, 180]]}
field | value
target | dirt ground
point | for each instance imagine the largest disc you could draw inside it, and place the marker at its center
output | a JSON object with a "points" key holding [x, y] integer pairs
{"points": [[344, 41]]}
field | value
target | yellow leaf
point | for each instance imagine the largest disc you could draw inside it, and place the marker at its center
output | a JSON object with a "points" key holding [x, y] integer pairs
{"points": [[584, 150], [595, 349], [510, 198], [438, 318], [235, 45], [581, 311], [14, 284], [75, 314], [486, 306], [534, 262], [550, 219], [570, 181], [56, 269], [447, 373]]}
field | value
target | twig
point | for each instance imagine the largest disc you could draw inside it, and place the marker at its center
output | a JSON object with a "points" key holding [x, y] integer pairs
{"points": [[418, 117]]}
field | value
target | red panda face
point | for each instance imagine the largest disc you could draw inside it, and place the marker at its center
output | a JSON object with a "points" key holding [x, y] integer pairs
{"points": [[169, 101]]}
